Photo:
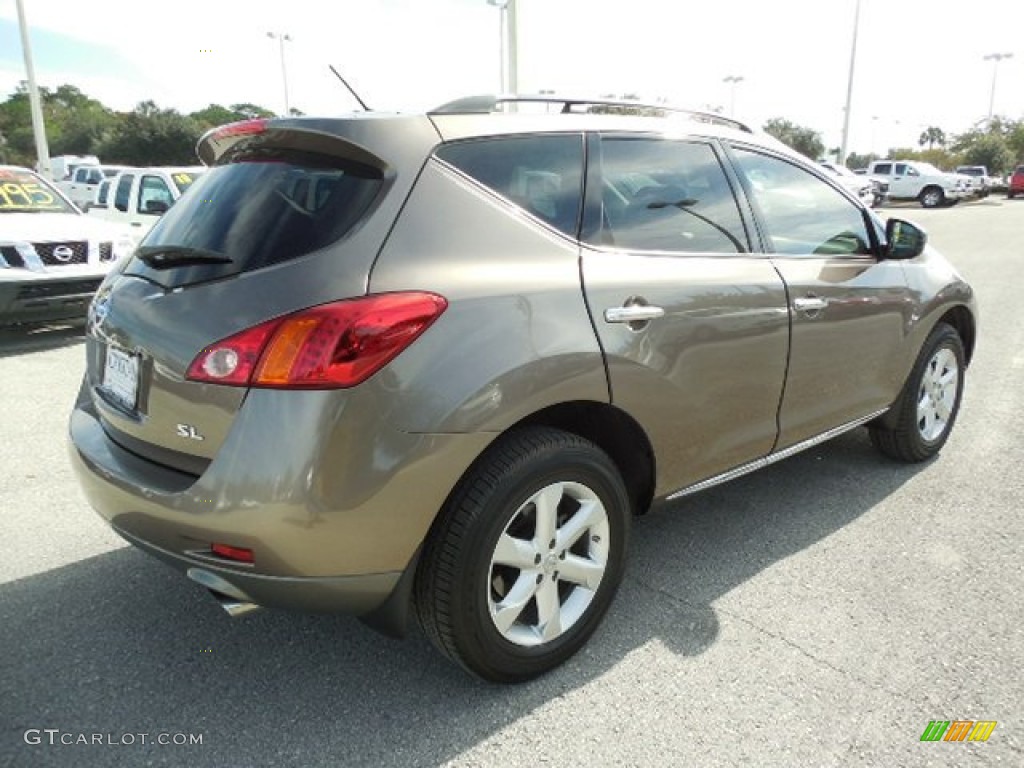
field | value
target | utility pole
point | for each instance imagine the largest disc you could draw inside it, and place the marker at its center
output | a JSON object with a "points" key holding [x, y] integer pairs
{"points": [[995, 58], [281, 38], [509, 37], [36, 107], [734, 80], [849, 89]]}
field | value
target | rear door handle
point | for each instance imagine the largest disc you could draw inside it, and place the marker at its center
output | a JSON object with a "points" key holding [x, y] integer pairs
{"points": [[634, 313]]}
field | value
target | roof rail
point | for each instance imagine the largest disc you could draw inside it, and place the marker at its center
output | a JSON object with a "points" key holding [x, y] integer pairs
{"points": [[488, 103]]}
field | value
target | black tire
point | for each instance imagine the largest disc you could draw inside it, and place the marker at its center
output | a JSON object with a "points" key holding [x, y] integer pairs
{"points": [[461, 581], [932, 197], [917, 430]]}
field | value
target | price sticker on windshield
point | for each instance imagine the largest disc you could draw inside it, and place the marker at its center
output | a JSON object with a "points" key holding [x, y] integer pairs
{"points": [[27, 195]]}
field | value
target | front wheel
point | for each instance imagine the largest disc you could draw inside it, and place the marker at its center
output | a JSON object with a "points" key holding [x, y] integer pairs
{"points": [[932, 197], [526, 557], [928, 405]]}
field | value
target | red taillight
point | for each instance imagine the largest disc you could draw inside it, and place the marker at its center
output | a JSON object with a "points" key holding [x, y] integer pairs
{"points": [[241, 128], [331, 346], [241, 554]]}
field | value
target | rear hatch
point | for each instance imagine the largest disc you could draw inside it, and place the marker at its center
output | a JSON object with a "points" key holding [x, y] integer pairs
{"points": [[290, 215]]}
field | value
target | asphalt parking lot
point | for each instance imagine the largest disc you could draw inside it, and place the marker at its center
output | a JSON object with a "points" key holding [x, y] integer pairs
{"points": [[818, 613]]}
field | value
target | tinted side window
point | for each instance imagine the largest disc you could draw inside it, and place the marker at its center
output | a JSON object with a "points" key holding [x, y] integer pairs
{"points": [[541, 174], [803, 214], [883, 168], [153, 189], [101, 196], [123, 192], [661, 195]]}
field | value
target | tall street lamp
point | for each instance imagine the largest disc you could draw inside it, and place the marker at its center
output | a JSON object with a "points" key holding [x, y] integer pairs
{"points": [[995, 58], [509, 32], [734, 80], [281, 38], [35, 106], [849, 88]]}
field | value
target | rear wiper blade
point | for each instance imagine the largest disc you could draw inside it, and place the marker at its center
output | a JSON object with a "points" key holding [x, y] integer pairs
{"points": [[158, 256]]}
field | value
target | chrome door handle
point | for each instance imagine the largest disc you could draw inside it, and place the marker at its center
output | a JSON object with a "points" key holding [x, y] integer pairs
{"points": [[809, 304], [635, 313]]}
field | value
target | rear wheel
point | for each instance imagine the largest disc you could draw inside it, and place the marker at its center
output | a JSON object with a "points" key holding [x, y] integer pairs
{"points": [[927, 408], [526, 557], [932, 197]]}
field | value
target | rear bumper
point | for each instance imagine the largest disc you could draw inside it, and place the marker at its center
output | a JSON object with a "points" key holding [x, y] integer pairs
{"points": [[329, 532], [356, 595]]}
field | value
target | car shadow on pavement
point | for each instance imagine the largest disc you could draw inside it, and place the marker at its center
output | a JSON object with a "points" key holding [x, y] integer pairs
{"points": [[119, 644], [19, 340]]}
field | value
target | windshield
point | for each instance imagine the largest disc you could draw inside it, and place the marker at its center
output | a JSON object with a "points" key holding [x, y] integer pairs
{"points": [[21, 191]]}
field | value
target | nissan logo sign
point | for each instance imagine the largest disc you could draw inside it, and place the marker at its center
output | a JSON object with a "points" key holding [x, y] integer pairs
{"points": [[63, 254]]}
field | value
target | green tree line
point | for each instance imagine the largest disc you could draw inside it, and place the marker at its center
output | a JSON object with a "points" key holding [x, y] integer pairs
{"points": [[79, 125], [998, 144]]}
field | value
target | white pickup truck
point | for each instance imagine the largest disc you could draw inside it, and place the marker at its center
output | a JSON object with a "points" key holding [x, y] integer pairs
{"points": [[139, 196], [912, 180], [81, 186]]}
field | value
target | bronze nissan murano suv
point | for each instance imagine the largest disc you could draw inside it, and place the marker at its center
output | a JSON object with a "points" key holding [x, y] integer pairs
{"points": [[433, 364]]}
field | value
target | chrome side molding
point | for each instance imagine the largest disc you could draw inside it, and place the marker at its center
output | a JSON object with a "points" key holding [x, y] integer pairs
{"points": [[771, 458]]}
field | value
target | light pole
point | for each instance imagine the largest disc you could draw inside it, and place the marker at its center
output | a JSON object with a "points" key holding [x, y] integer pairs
{"points": [[995, 58], [509, 33], [35, 106], [734, 80], [849, 87], [281, 38]]}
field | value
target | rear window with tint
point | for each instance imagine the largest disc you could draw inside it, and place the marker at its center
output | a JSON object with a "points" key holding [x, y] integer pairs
{"points": [[542, 174], [264, 210]]}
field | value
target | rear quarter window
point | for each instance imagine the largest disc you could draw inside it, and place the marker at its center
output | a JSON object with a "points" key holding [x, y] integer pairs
{"points": [[542, 174]]}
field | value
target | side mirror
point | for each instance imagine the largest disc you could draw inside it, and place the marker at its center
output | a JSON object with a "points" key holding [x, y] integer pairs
{"points": [[156, 206], [903, 240]]}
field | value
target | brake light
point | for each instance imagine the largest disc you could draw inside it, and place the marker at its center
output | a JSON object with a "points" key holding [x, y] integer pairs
{"points": [[331, 346], [241, 128]]}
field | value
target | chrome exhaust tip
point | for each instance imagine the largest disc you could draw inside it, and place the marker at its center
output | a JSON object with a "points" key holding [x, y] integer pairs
{"points": [[232, 599], [234, 608]]}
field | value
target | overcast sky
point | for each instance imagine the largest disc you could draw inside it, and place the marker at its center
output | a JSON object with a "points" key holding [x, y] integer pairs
{"points": [[919, 62]]}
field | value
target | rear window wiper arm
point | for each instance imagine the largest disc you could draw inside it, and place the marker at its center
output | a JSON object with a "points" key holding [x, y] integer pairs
{"points": [[158, 256]]}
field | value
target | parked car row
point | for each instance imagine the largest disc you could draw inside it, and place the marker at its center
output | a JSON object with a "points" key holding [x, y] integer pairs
{"points": [[872, 190], [80, 187], [137, 197]]}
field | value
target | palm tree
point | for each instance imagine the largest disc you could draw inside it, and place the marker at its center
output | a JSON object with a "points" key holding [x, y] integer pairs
{"points": [[931, 136]]}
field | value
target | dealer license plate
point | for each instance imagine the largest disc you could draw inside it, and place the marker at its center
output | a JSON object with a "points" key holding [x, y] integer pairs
{"points": [[121, 377]]}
